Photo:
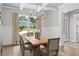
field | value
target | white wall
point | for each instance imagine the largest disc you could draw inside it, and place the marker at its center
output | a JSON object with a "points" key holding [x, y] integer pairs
{"points": [[51, 32], [50, 26], [7, 27], [68, 7], [72, 26]]}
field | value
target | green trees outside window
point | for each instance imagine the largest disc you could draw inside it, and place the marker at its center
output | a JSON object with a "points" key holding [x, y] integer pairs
{"points": [[32, 27]]}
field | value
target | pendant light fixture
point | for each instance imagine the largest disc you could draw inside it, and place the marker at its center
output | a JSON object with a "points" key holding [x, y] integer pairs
{"points": [[37, 34]]}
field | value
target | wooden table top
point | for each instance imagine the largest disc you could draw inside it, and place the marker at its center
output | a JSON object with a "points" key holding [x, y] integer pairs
{"points": [[36, 41]]}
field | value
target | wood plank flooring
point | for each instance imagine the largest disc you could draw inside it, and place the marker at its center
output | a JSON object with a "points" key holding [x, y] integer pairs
{"points": [[69, 49], [15, 51]]}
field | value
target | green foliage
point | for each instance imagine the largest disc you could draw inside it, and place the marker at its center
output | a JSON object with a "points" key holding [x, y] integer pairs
{"points": [[32, 19], [22, 18], [21, 27]]}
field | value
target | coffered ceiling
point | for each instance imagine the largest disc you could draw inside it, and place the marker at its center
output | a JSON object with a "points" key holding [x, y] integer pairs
{"points": [[39, 7]]}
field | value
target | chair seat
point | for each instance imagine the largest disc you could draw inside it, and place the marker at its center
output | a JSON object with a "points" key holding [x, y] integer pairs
{"points": [[43, 51], [42, 46], [27, 46], [51, 52]]}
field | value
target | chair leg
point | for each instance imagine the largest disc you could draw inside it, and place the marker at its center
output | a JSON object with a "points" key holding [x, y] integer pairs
{"points": [[20, 51], [23, 52]]}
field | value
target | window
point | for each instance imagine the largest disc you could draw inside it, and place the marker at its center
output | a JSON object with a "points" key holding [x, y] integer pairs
{"points": [[27, 24]]}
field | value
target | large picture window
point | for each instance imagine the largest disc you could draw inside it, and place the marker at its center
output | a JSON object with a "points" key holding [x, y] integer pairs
{"points": [[27, 23]]}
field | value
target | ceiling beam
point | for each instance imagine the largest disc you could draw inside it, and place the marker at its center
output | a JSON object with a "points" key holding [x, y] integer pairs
{"points": [[21, 6], [51, 9], [43, 6], [30, 7]]}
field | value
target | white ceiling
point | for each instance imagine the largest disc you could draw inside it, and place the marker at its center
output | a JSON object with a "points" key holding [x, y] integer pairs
{"points": [[39, 7]]}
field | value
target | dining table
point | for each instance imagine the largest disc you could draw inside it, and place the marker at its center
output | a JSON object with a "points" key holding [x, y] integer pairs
{"points": [[36, 42]]}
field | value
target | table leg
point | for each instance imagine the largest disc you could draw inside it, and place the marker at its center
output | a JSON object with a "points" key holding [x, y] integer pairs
{"points": [[36, 51]]}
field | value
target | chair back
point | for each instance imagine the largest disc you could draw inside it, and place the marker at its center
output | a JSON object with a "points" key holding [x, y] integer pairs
{"points": [[30, 34], [21, 41], [53, 46]]}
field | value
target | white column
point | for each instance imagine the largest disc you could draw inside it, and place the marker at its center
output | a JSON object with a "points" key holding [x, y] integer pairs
{"points": [[61, 28], [15, 28]]}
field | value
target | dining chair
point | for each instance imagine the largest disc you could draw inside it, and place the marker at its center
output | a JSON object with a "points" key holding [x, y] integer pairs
{"points": [[23, 36], [24, 46], [30, 34], [51, 48]]}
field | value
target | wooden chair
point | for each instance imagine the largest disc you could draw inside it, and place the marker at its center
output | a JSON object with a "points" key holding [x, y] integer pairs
{"points": [[24, 46], [51, 49], [25, 41], [30, 34]]}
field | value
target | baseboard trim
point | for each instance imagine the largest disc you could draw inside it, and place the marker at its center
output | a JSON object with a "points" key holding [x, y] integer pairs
{"points": [[10, 45]]}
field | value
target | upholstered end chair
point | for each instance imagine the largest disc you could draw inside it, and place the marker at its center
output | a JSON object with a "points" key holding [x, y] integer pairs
{"points": [[51, 48]]}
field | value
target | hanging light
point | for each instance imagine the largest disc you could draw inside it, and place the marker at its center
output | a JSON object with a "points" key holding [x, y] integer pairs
{"points": [[37, 11], [37, 34]]}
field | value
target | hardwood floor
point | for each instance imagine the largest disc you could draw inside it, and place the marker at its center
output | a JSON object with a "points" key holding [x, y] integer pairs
{"points": [[69, 49], [15, 51], [11, 51]]}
